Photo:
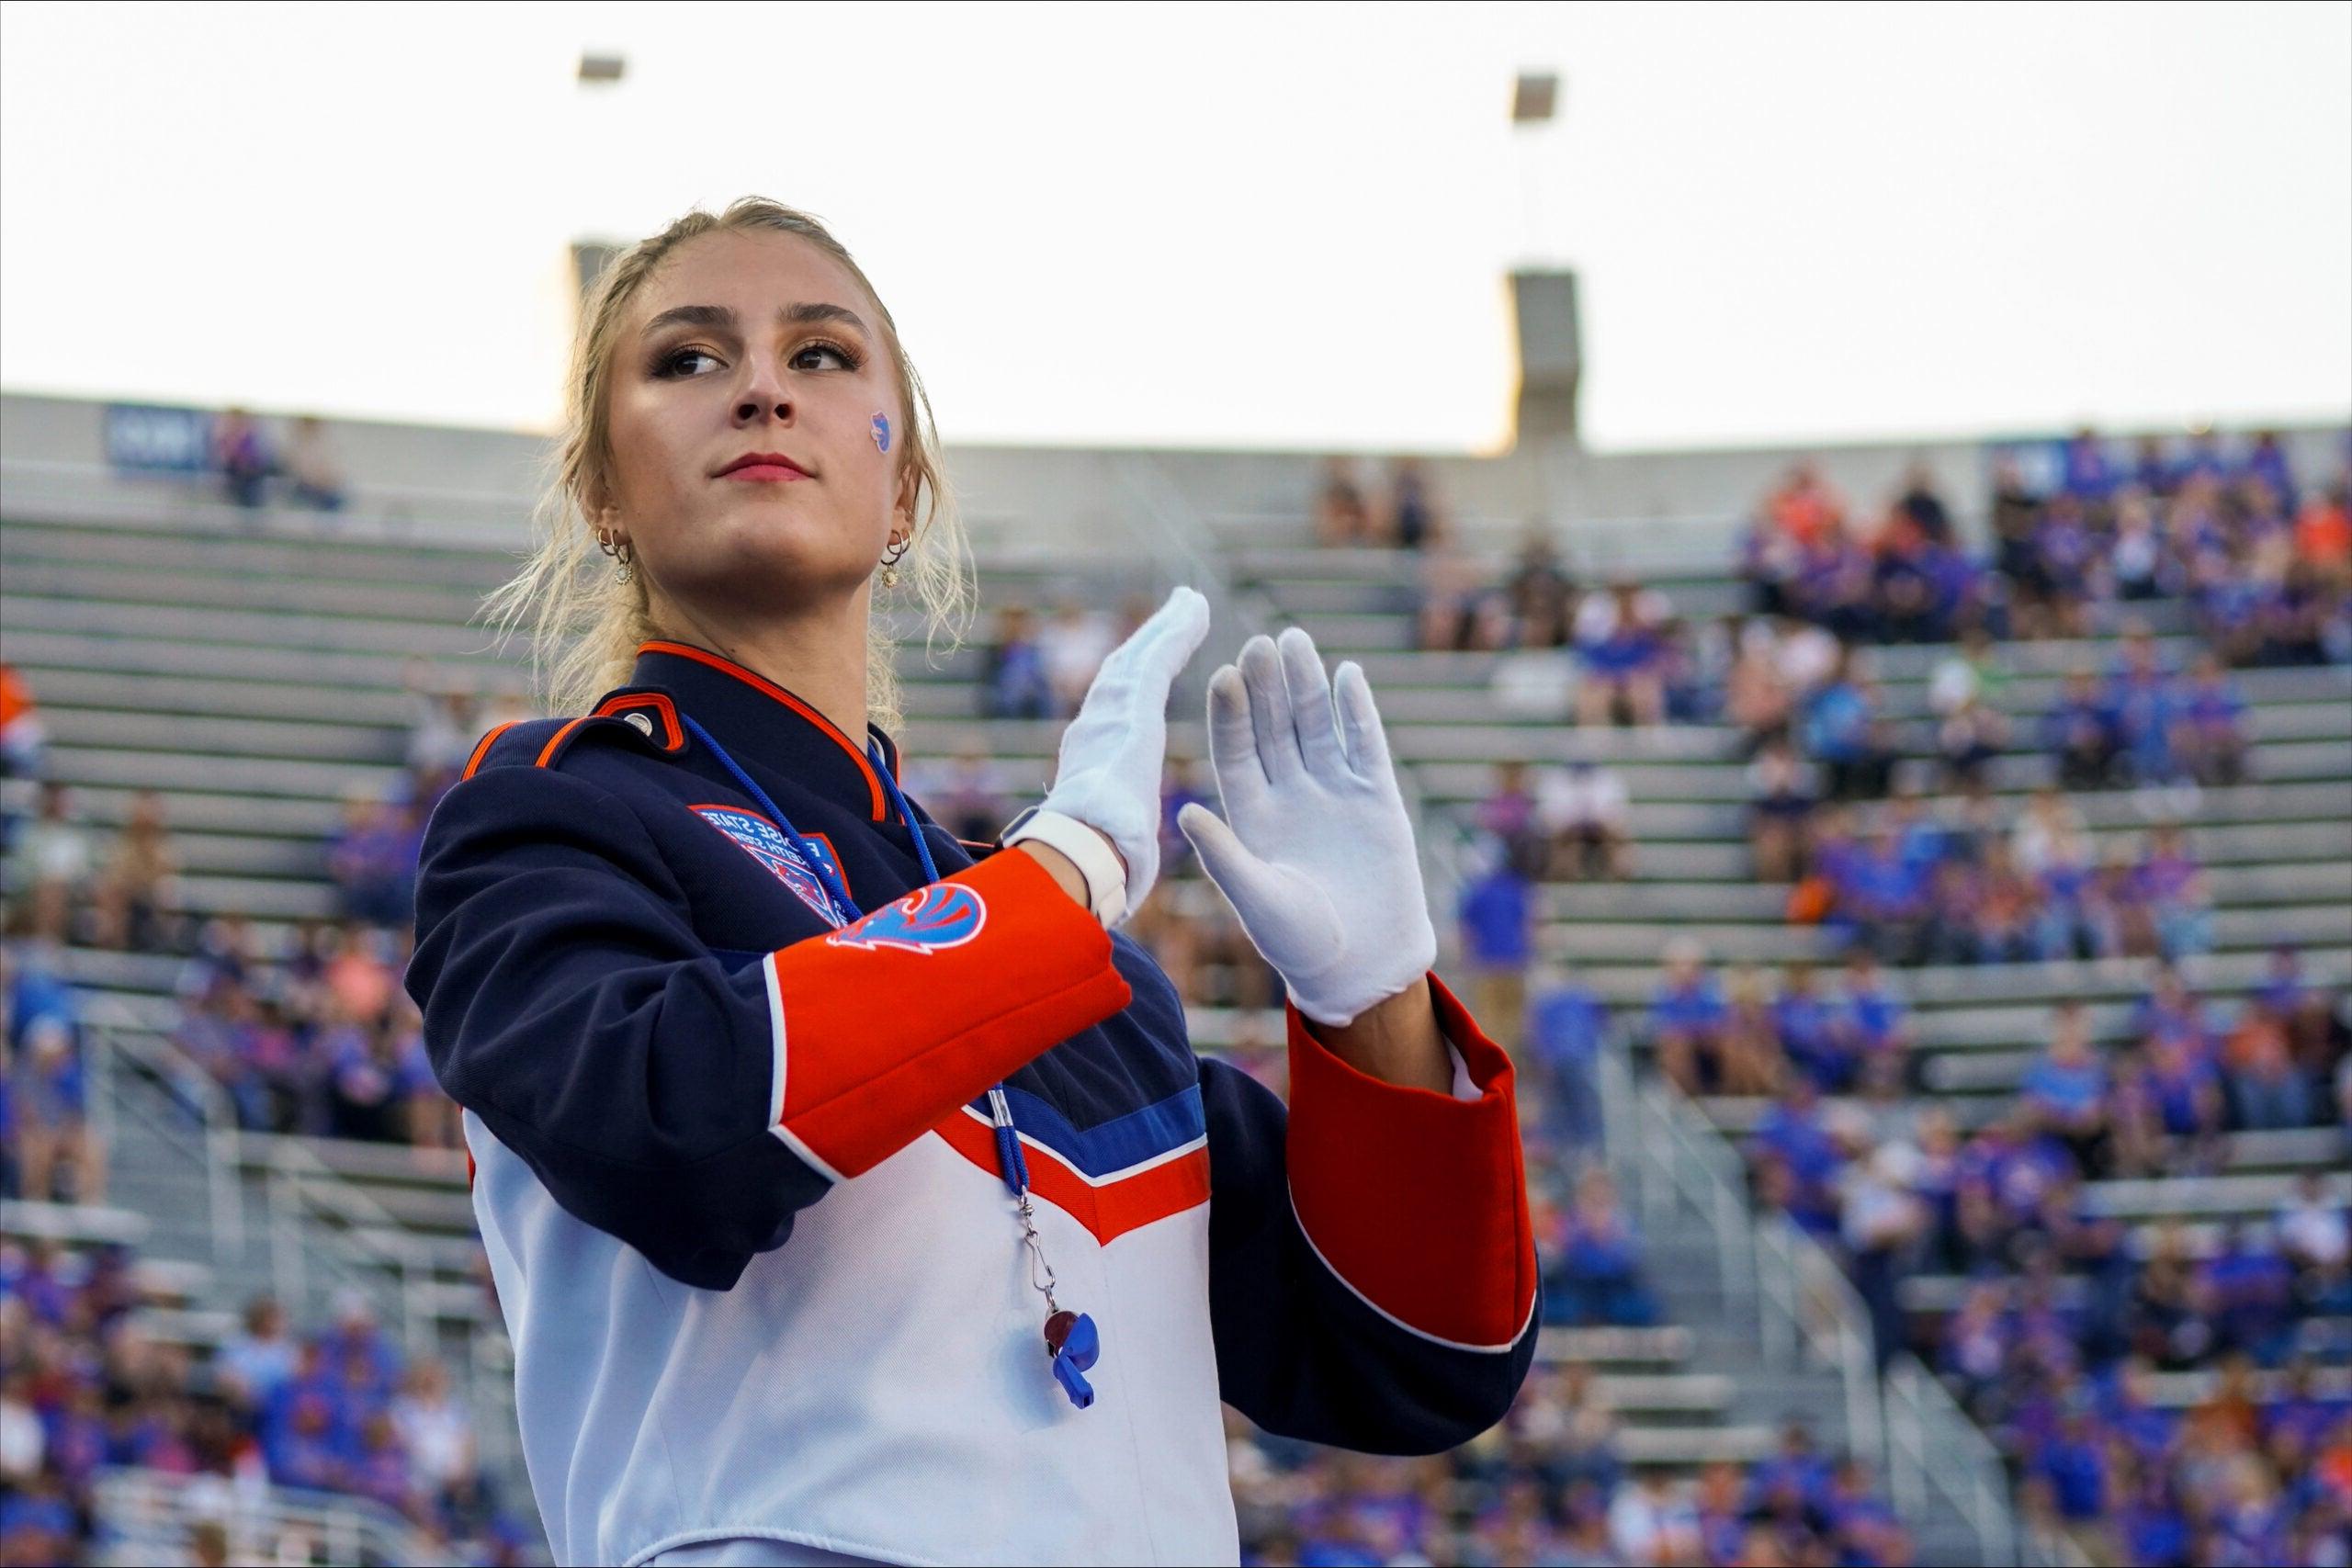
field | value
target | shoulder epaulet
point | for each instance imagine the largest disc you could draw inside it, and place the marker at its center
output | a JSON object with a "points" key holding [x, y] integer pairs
{"points": [[647, 719]]}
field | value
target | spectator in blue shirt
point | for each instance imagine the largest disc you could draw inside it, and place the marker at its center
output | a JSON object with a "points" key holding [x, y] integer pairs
{"points": [[2253, 1289], [2201, 457], [1597, 1275], [1805, 1026], [2282, 986], [2067, 1089], [1840, 728], [1797, 1471], [1883, 897], [31, 988], [2002, 1181], [2170, 1008], [2145, 699], [2172, 893], [2074, 1463], [1918, 592], [2085, 472], [1568, 1028], [303, 1450], [1497, 916], [2266, 460], [1621, 637], [48, 1100], [373, 860], [1015, 684], [1864, 1525], [1871, 1019], [2082, 733], [1686, 1018], [2067, 552], [2210, 733], [241, 454], [36, 1521], [2171, 1107], [1793, 1136], [261, 1358], [2130, 1410]]}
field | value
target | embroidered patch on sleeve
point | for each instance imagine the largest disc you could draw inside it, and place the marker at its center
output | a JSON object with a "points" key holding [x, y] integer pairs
{"points": [[945, 914]]}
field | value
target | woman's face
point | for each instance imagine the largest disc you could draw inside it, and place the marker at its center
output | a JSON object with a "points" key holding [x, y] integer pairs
{"points": [[744, 344]]}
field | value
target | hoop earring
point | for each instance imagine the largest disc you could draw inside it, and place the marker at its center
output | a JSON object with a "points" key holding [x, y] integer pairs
{"points": [[625, 554], [891, 562]]}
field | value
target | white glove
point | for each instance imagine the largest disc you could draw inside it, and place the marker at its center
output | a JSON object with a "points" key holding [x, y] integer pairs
{"points": [[1114, 752], [1316, 852]]}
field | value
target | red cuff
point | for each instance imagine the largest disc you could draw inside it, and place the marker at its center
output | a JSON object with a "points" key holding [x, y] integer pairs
{"points": [[889, 1024], [1417, 1201]]}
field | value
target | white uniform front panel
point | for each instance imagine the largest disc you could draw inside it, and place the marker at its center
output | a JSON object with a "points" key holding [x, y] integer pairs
{"points": [[877, 1386]]}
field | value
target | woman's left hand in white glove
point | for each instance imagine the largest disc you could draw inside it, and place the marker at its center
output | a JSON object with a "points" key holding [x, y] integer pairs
{"points": [[1316, 852]]}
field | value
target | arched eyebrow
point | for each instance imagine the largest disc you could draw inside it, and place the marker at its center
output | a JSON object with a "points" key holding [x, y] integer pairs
{"points": [[723, 316]]}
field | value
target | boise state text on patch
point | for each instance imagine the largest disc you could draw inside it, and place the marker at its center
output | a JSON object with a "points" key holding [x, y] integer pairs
{"points": [[766, 843]]}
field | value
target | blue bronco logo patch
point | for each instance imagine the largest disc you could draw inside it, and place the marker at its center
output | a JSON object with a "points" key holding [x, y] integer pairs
{"points": [[765, 842], [946, 914]]}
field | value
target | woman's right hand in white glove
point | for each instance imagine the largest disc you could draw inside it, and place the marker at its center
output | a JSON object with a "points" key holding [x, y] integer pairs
{"points": [[1115, 751]]}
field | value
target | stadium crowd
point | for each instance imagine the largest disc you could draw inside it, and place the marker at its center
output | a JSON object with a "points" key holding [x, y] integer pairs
{"points": [[87, 1382], [1551, 1484], [315, 1036], [2066, 1315], [1883, 825]]}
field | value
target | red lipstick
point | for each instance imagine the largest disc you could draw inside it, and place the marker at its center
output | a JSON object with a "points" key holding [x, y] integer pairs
{"points": [[764, 467]]}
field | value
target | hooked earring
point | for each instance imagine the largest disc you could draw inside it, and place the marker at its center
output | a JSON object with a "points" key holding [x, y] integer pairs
{"points": [[891, 562]]}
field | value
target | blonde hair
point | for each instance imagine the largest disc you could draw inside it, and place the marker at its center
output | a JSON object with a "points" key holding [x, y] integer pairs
{"points": [[586, 625]]}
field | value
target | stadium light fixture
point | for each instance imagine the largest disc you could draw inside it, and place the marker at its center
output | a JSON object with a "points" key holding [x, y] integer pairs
{"points": [[1534, 97], [601, 70]]}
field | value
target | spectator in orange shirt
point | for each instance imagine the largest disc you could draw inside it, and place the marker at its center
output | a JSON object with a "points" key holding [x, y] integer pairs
{"points": [[1804, 506], [2324, 536], [15, 700], [359, 978], [21, 743]]}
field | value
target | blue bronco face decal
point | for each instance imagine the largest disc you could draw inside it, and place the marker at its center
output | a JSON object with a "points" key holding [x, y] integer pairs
{"points": [[765, 843], [946, 914]]}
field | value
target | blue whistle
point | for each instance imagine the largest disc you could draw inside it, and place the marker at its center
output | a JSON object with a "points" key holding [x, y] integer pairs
{"points": [[1076, 1348]]}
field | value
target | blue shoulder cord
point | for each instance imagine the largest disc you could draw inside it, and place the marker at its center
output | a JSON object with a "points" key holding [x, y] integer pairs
{"points": [[1072, 1338]]}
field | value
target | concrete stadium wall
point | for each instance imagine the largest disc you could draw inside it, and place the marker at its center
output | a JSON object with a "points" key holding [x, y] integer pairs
{"points": [[1617, 504]]}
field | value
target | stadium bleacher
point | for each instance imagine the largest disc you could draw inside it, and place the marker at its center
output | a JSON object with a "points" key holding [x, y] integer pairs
{"points": [[257, 676]]}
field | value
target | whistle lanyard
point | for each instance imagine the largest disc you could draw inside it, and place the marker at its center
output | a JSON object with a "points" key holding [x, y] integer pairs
{"points": [[1072, 1338]]}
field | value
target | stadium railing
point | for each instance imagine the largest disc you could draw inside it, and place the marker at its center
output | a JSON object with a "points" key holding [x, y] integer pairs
{"points": [[120, 1044], [323, 1233], [1664, 1152], [148, 1514]]}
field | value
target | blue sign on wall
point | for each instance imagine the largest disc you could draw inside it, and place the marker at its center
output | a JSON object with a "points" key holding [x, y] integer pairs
{"points": [[145, 438]]}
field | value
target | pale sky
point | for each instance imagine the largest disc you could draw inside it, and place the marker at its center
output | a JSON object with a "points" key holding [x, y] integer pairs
{"points": [[1257, 226]]}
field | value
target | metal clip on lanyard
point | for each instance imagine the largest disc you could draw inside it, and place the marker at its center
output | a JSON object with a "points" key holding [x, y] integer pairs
{"points": [[1072, 1338]]}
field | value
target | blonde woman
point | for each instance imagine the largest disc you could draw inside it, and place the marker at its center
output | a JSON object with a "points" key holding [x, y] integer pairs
{"points": [[852, 1191]]}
